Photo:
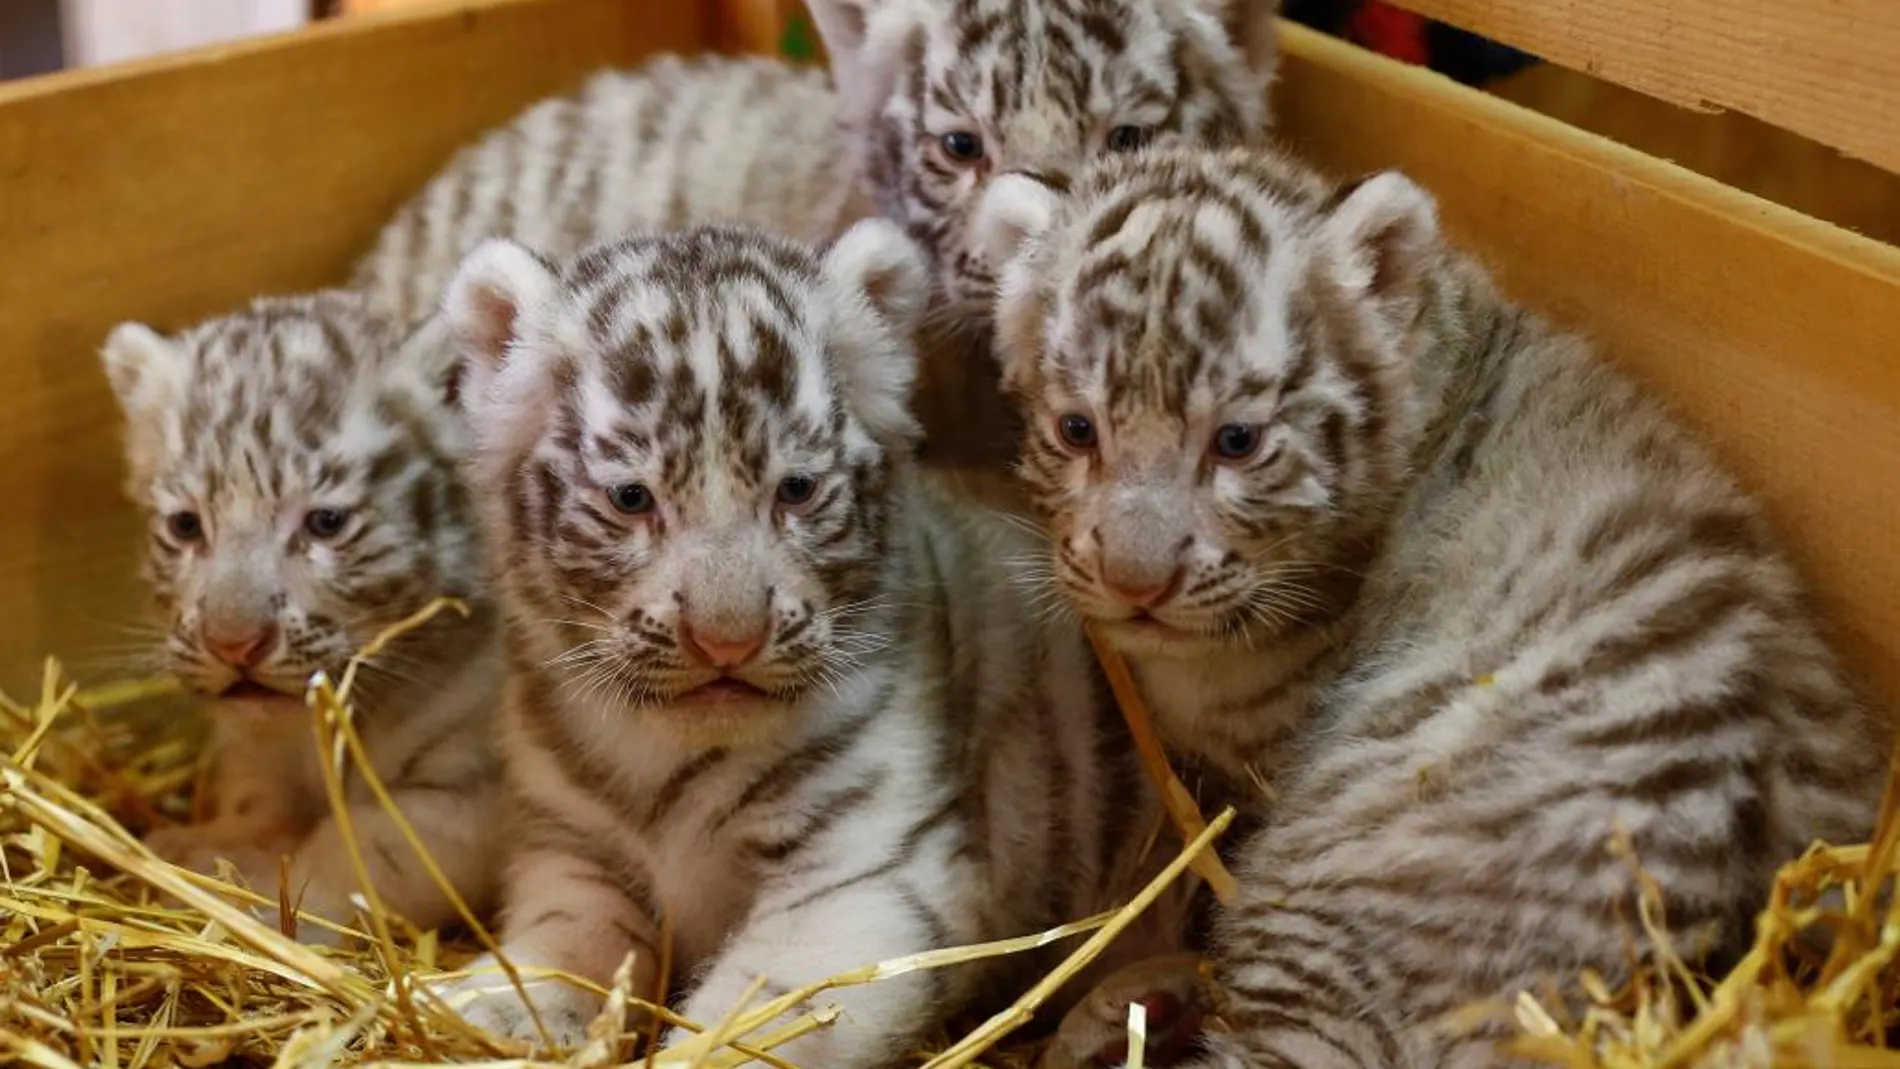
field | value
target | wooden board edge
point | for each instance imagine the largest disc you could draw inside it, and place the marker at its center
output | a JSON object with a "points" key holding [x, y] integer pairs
{"points": [[1827, 72], [307, 35], [1844, 247]]}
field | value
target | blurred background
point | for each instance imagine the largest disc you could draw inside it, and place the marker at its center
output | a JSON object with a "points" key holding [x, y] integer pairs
{"points": [[42, 36]]}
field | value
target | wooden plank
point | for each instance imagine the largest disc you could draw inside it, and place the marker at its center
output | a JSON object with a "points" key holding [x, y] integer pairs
{"points": [[172, 189], [1773, 333], [1732, 148], [1829, 71]]}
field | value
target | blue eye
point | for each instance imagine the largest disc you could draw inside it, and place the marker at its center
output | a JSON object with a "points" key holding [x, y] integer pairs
{"points": [[1237, 441], [796, 489], [632, 499]]}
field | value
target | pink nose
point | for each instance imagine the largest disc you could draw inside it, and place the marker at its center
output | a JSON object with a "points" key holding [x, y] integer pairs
{"points": [[720, 652], [242, 651], [1139, 591]]}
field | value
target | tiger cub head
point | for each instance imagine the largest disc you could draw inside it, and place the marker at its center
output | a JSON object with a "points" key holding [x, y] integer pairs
{"points": [[685, 448], [297, 465], [943, 94], [1214, 353]]}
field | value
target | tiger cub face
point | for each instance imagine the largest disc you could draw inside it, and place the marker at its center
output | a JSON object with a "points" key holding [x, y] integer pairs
{"points": [[1214, 352], [943, 94], [685, 445], [296, 464]]}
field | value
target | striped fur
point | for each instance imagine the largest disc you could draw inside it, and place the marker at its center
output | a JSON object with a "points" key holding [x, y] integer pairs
{"points": [[298, 467], [1460, 597], [1043, 84], [1038, 85], [677, 141], [909, 760]]}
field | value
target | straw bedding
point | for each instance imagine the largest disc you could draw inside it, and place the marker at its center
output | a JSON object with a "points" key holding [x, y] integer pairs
{"points": [[109, 957]]}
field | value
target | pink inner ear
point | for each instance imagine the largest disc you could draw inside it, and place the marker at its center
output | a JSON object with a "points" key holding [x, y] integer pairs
{"points": [[1386, 246], [494, 322], [848, 25], [881, 288]]}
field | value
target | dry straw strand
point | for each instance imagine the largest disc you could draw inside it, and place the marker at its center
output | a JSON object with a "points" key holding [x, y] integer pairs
{"points": [[97, 971], [1174, 794]]}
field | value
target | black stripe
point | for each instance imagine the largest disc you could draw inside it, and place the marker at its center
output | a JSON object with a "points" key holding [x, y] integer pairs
{"points": [[808, 760], [878, 871], [823, 818], [940, 937], [541, 827], [574, 760], [676, 784]]}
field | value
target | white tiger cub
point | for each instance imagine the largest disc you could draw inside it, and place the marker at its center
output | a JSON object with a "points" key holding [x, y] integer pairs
{"points": [[769, 685], [298, 468], [1466, 600]]}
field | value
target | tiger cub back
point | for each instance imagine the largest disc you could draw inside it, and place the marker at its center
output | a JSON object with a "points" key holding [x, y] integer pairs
{"points": [[1467, 602], [675, 142]]}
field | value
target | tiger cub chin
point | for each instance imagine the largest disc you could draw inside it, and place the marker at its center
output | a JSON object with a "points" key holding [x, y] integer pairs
{"points": [[776, 703], [296, 461], [1467, 602]]}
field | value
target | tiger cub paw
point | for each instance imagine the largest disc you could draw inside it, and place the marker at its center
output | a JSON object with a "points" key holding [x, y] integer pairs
{"points": [[1094, 1034]]}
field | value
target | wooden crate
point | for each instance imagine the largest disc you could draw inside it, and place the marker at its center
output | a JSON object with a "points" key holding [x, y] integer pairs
{"points": [[173, 189]]}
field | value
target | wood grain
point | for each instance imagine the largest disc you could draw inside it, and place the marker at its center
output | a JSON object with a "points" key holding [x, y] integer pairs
{"points": [[172, 189], [1730, 147], [1829, 71], [1773, 333]]}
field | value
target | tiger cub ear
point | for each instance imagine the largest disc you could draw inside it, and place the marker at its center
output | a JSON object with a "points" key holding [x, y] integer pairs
{"points": [[1016, 210], [879, 289], [1252, 27], [861, 48], [148, 371], [1382, 231], [1014, 220], [150, 375], [484, 310]]}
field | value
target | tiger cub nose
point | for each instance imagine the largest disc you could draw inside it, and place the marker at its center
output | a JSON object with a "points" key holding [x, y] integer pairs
{"points": [[243, 650], [1142, 591], [720, 651]]}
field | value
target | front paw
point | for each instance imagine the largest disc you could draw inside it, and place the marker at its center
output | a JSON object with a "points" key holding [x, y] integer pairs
{"points": [[1094, 1034], [200, 847], [489, 1001]]}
